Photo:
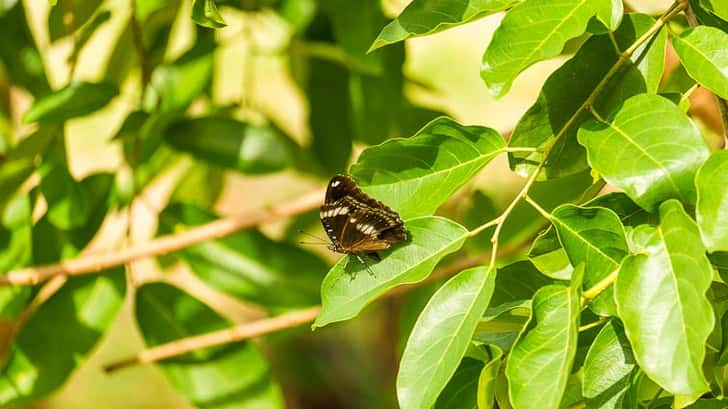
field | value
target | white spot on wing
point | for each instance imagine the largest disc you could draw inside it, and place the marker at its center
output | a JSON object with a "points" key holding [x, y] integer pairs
{"points": [[336, 183]]}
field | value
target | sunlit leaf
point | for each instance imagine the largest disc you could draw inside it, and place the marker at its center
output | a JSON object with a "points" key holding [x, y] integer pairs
{"points": [[559, 100], [441, 335], [205, 13], [530, 32], [234, 376], [227, 142], [416, 175], [660, 295], [703, 53], [712, 209], [653, 150], [15, 251], [21, 59], [57, 20], [461, 391], [58, 337], [349, 286], [540, 362], [718, 7], [608, 368], [74, 100], [593, 236], [487, 378], [422, 17], [549, 256]]}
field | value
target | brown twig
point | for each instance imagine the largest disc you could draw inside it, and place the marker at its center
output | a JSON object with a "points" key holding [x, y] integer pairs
{"points": [[162, 245], [264, 326], [225, 336]]}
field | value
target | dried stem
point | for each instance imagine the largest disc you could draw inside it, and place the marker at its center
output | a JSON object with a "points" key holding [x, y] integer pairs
{"points": [[267, 325], [162, 245]]}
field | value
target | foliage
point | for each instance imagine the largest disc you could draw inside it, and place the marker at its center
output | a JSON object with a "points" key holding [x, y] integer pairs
{"points": [[561, 297]]}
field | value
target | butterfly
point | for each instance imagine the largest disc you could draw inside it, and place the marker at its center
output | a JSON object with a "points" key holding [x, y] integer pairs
{"points": [[356, 223]]}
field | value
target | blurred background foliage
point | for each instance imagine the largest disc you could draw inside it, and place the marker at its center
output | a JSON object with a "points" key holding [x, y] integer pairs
{"points": [[256, 112]]}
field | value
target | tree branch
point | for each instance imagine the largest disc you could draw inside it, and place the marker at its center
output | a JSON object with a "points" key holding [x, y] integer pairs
{"points": [[264, 326], [162, 245]]}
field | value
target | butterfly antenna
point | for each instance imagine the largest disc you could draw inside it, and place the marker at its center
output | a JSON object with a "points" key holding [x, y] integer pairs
{"points": [[311, 243], [322, 241]]}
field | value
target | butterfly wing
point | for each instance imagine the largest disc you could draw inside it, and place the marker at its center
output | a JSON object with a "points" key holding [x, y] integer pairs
{"points": [[357, 223]]}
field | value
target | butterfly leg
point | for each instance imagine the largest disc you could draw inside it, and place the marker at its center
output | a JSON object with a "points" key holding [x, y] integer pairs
{"points": [[363, 261]]}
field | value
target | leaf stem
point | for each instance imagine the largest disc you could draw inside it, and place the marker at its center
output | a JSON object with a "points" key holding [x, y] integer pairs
{"points": [[480, 228], [602, 285], [520, 149], [94, 263], [591, 325], [654, 398], [538, 207], [676, 7]]}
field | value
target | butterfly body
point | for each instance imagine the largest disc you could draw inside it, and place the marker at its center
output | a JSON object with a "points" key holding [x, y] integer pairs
{"points": [[356, 223]]}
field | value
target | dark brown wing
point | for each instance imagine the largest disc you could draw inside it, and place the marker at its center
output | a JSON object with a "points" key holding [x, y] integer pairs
{"points": [[357, 223]]}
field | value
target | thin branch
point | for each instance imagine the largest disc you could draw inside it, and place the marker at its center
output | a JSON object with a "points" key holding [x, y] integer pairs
{"points": [[162, 245], [676, 8], [538, 207], [264, 326], [225, 336], [591, 325], [599, 287]]}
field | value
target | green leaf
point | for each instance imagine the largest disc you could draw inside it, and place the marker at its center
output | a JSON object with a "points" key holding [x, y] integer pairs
{"points": [[540, 362], [205, 13], [630, 214], [416, 175], [59, 336], [660, 295], [703, 53], [487, 378], [175, 85], [532, 31], [559, 100], [354, 24], [549, 256], [525, 222], [16, 246], [227, 142], [610, 16], [21, 60], [461, 391], [82, 12], [67, 206], [717, 7], [608, 368], [378, 100], [593, 236], [712, 210], [517, 282], [423, 17], [235, 376], [440, 337], [247, 264], [349, 287], [331, 114], [12, 175], [637, 159], [74, 100], [86, 31]]}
